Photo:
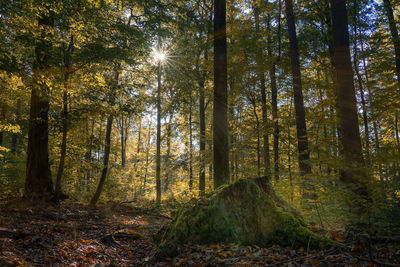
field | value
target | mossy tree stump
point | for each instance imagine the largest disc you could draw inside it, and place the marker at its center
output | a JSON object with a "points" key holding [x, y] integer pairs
{"points": [[247, 212]]}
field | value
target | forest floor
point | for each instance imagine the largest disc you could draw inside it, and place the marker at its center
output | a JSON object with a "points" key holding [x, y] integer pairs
{"points": [[74, 234]]}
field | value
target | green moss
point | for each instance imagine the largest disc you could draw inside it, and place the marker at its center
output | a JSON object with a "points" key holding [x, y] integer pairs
{"points": [[242, 213]]}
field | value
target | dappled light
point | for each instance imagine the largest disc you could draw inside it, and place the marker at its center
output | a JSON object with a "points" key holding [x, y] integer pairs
{"points": [[199, 133]]}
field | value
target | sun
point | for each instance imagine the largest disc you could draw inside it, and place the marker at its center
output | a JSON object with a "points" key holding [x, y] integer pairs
{"points": [[159, 55]]}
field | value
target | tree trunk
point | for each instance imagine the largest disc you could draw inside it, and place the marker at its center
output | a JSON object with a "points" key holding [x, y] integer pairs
{"points": [[167, 156], [190, 145], [274, 102], [158, 141], [360, 84], [261, 77], [38, 182], [107, 149], [147, 159], [253, 101], [274, 93], [202, 174], [395, 36], [123, 144], [353, 160], [220, 122], [63, 141], [88, 153], [67, 63], [302, 141]]}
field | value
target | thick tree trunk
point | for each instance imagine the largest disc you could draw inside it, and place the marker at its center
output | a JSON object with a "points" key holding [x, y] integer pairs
{"points": [[220, 122], [107, 149], [353, 172], [302, 141], [38, 182]]}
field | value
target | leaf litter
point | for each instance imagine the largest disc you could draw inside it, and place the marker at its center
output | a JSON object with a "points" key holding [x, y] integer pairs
{"points": [[75, 234]]}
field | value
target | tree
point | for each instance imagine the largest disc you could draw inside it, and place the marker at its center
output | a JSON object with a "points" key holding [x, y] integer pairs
{"points": [[67, 65], [107, 146], [353, 159], [395, 36], [261, 77], [302, 141], [38, 182], [220, 123]]}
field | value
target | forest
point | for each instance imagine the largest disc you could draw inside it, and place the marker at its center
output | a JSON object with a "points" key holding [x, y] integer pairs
{"points": [[199, 133]]}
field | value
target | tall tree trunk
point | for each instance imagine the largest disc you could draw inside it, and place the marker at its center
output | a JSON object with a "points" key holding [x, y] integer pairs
{"points": [[38, 182], [158, 141], [123, 143], [147, 159], [107, 149], [67, 63], [261, 77], [63, 141], [274, 102], [88, 153], [202, 174], [168, 156], [353, 169], [220, 122], [374, 123], [395, 36], [190, 145], [302, 141], [360, 83], [274, 92], [253, 101]]}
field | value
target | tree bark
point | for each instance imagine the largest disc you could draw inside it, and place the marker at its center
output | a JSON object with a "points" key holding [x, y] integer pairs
{"points": [[302, 141], [360, 84], [67, 63], [38, 182], [395, 36], [353, 159], [123, 143], [220, 123], [190, 145], [107, 149]]}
